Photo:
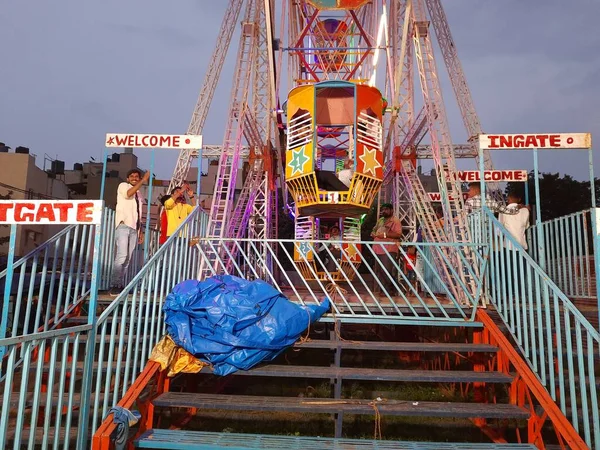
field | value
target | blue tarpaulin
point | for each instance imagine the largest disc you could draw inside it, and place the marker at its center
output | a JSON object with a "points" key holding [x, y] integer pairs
{"points": [[233, 323]]}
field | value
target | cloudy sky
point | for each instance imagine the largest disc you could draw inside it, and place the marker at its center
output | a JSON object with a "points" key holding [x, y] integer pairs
{"points": [[73, 70]]}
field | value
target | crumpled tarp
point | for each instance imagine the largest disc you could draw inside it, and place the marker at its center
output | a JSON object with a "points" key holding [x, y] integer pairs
{"points": [[175, 358], [233, 323]]}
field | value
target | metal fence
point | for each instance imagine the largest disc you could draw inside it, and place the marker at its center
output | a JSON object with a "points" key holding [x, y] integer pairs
{"points": [[380, 287], [558, 342], [128, 329], [48, 358], [48, 283], [567, 246], [108, 251]]}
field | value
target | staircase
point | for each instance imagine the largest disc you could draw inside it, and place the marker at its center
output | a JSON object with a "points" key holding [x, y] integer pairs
{"points": [[397, 381]]}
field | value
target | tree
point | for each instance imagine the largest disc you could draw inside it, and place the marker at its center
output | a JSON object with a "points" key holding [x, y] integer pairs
{"points": [[559, 196]]}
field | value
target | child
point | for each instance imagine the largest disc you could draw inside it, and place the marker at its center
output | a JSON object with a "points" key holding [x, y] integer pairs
{"points": [[410, 264], [163, 220]]}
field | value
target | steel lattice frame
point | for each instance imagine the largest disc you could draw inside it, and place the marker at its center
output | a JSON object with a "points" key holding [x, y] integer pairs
{"points": [[257, 91]]}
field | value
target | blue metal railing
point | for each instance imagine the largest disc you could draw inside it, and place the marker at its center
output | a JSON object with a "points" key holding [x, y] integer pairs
{"points": [[127, 330], [49, 282], [557, 341], [362, 293], [108, 251], [41, 388], [567, 244]]}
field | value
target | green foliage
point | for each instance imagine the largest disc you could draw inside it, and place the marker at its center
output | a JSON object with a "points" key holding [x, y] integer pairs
{"points": [[559, 196]]}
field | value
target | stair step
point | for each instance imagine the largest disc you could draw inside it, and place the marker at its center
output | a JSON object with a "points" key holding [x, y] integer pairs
{"points": [[76, 399], [39, 435], [332, 406], [353, 373], [400, 346], [201, 440]]}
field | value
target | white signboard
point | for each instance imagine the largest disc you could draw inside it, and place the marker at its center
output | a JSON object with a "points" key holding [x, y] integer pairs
{"points": [[530, 141], [437, 197], [54, 212], [493, 175], [153, 141]]}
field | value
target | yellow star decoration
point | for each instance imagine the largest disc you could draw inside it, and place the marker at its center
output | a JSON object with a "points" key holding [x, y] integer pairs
{"points": [[369, 158], [352, 252]]}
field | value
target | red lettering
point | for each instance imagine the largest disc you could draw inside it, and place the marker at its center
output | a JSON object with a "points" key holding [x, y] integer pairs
{"points": [[121, 141], [175, 141], [4, 207], [555, 140], [165, 141], [542, 138], [84, 212], [130, 141], [153, 141], [145, 141], [506, 141], [518, 176], [493, 140], [20, 216], [435, 196], [519, 141], [63, 208], [45, 212], [531, 141]]}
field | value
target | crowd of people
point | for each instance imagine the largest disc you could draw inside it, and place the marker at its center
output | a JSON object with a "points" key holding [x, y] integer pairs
{"points": [[128, 226], [514, 216]]}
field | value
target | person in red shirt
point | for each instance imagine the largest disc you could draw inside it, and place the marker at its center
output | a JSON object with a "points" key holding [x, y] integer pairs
{"points": [[387, 229], [163, 220]]}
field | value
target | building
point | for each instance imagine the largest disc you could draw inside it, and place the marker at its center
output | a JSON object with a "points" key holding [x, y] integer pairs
{"points": [[85, 180], [22, 179]]}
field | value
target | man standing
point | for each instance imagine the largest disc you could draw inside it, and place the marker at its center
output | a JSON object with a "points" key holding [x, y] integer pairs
{"points": [[516, 225], [128, 224], [177, 208], [387, 229]]}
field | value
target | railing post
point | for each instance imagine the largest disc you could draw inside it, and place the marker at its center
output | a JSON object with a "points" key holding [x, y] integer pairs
{"points": [[596, 237], [8, 284], [88, 369], [538, 213]]}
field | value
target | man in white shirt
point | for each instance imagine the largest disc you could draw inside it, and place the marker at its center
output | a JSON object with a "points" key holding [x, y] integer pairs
{"points": [[515, 224], [128, 225]]}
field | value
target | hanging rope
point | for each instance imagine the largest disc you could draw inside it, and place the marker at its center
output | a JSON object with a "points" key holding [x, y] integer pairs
{"points": [[377, 433]]}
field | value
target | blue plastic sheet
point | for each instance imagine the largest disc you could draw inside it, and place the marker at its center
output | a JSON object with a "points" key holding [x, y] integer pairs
{"points": [[233, 323]]}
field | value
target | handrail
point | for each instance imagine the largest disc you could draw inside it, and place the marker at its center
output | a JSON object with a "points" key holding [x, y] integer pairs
{"points": [[561, 423], [132, 324], [39, 249], [557, 341], [568, 250], [101, 440]]}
